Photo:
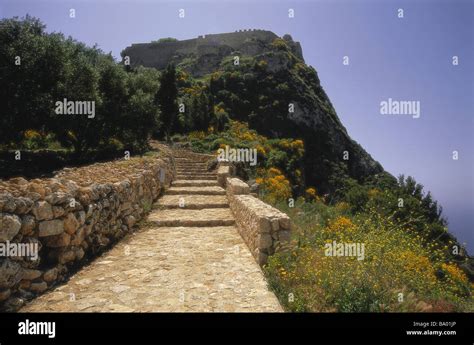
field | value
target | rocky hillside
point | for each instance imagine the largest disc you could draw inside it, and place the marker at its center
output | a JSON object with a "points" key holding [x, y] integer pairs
{"points": [[203, 55], [270, 87]]}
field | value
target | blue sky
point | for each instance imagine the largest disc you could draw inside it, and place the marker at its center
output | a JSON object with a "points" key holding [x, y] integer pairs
{"points": [[390, 57]]}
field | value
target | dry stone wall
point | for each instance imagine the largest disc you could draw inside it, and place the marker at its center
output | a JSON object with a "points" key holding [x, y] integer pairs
{"points": [[223, 171], [70, 218], [264, 229]]}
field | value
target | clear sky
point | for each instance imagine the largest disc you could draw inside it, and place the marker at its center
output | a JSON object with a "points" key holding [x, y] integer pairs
{"points": [[407, 59]]}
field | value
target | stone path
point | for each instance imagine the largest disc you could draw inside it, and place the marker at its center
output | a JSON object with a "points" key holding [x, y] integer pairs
{"points": [[188, 257]]}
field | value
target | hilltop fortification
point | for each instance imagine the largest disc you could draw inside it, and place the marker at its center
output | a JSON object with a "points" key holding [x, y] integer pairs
{"points": [[203, 54]]}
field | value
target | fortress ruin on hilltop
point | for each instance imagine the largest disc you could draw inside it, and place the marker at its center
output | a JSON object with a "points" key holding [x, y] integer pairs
{"points": [[207, 50]]}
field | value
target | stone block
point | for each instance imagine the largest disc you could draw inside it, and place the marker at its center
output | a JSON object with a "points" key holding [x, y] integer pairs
{"points": [[262, 258], [275, 224], [43, 210], [284, 236], [285, 222], [71, 224], [38, 287], [5, 294], [50, 275], [237, 186], [29, 274], [28, 224], [10, 273], [61, 240], [10, 225], [51, 228], [265, 241], [264, 225]]}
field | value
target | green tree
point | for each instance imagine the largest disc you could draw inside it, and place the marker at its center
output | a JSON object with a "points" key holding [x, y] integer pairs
{"points": [[38, 70], [202, 111], [141, 117], [80, 82], [166, 100], [31, 64]]}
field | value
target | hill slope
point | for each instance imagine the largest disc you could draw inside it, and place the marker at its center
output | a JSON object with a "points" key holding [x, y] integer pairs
{"points": [[262, 79]]}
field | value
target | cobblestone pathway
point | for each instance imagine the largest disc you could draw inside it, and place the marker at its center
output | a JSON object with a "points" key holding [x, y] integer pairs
{"points": [[188, 257]]}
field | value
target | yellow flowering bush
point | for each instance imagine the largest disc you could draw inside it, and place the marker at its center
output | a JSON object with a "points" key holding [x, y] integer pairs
{"points": [[454, 273], [31, 134], [397, 271], [311, 194], [261, 150], [197, 135], [340, 224], [342, 206], [374, 192], [275, 185], [33, 139]]}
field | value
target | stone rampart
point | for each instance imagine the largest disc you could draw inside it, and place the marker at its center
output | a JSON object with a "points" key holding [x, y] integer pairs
{"points": [[50, 227]]}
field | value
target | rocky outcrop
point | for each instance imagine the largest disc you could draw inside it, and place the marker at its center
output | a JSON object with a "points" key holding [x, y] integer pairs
{"points": [[203, 55], [63, 221]]}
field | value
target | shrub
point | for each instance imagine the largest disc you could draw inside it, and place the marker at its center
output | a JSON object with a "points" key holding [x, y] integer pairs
{"points": [[397, 263]]}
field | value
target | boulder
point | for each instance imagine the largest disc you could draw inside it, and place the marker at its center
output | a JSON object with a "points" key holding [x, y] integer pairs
{"points": [[43, 210], [38, 287], [37, 188], [10, 225], [23, 205], [50, 275], [29, 274], [71, 224], [7, 203], [10, 273], [130, 221], [28, 224], [51, 228], [58, 211], [5, 294], [61, 240], [58, 198]]}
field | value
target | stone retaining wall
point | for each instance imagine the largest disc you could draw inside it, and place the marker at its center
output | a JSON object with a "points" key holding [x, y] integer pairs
{"points": [[223, 171], [71, 218], [264, 229]]}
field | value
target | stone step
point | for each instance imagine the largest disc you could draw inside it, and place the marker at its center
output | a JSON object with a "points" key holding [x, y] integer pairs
{"points": [[194, 202], [193, 183], [186, 217], [206, 190], [192, 170], [188, 163], [194, 167], [196, 177], [210, 173], [189, 160], [191, 163]]}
